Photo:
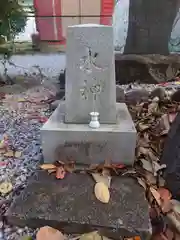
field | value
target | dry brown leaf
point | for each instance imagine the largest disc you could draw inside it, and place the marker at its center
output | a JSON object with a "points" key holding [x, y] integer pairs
{"points": [[172, 117], [143, 150], [164, 124], [143, 127], [60, 172], [175, 220], [47, 166], [153, 107], [48, 233], [102, 192], [129, 172], [51, 170], [142, 183], [10, 153], [5, 187], [175, 206], [165, 194], [147, 165], [17, 154], [100, 178], [156, 195]]}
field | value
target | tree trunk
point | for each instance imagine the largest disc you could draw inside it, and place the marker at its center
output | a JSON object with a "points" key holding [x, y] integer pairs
{"points": [[150, 26]]}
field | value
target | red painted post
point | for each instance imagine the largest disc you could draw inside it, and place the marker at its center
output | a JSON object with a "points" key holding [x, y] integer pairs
{"points": [[107, 7]]}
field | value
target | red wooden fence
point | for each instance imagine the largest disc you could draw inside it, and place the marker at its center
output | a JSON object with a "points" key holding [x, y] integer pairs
{"points": [[48, 18]]}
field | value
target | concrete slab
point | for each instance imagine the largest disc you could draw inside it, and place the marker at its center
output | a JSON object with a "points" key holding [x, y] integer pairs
{"points": [[79, 142], [71, 206]]}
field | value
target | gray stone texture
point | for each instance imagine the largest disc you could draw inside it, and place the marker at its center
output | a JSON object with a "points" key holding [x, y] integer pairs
{"points": [[71, 206], [90, 47], [82, 144]]}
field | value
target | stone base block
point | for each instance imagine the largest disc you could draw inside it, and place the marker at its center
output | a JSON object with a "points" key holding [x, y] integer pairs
{"points": [[71, 206], [82, 144]]}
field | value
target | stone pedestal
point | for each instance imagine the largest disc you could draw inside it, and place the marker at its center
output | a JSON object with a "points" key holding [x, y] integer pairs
{"points": [[71, 206], [82, 144]]}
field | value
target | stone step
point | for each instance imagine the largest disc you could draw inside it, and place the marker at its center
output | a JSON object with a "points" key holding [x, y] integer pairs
{"points": [[71, 206]]}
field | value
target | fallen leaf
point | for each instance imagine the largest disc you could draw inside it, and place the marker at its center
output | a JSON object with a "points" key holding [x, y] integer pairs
{"points": [[172, 117], [26, 238], [10, 153], [47, 166], [17, 154], [156, 195], [133, 238], [102, 192], [100, 178], [142, 183], [91, 236], [51, 170], [48, 233], [118, 166], [153, 106], [165, 194], [175, 205], [6, 187], [147, 165], [2, 145], [60, 172], [129, 172], [164, 124], [143, 127]]}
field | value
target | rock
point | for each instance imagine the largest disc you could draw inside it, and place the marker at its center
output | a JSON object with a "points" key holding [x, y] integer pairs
{"points": [[70, 206], [176, 96], [120, 95], [158, 92], [171, 157], [135, 96], [151, 68]]}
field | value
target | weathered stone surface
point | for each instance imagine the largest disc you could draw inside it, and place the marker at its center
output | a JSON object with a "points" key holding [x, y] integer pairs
{"points": [[135, 96], [79, 142], [159, 92], [171, 157], [71, 206], [152, 68], [90, 71]]}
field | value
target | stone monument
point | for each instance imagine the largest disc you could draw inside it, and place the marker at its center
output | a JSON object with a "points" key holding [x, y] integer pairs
{"points": [[69, 134], [69, 204]]}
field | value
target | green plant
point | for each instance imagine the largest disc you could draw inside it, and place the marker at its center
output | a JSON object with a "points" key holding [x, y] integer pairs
{"points": [[12, 18]]}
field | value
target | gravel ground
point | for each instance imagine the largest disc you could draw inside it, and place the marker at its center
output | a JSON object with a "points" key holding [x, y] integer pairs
{"points": [[21, 122]]}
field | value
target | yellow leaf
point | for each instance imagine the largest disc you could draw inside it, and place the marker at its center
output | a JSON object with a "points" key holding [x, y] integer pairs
{"points": [[100, 178], [17, 154], [2, 144], [10, 153], [90, 236], [5, 187], [49, 233], [47, 166], [21, 100], [102, 192]]}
